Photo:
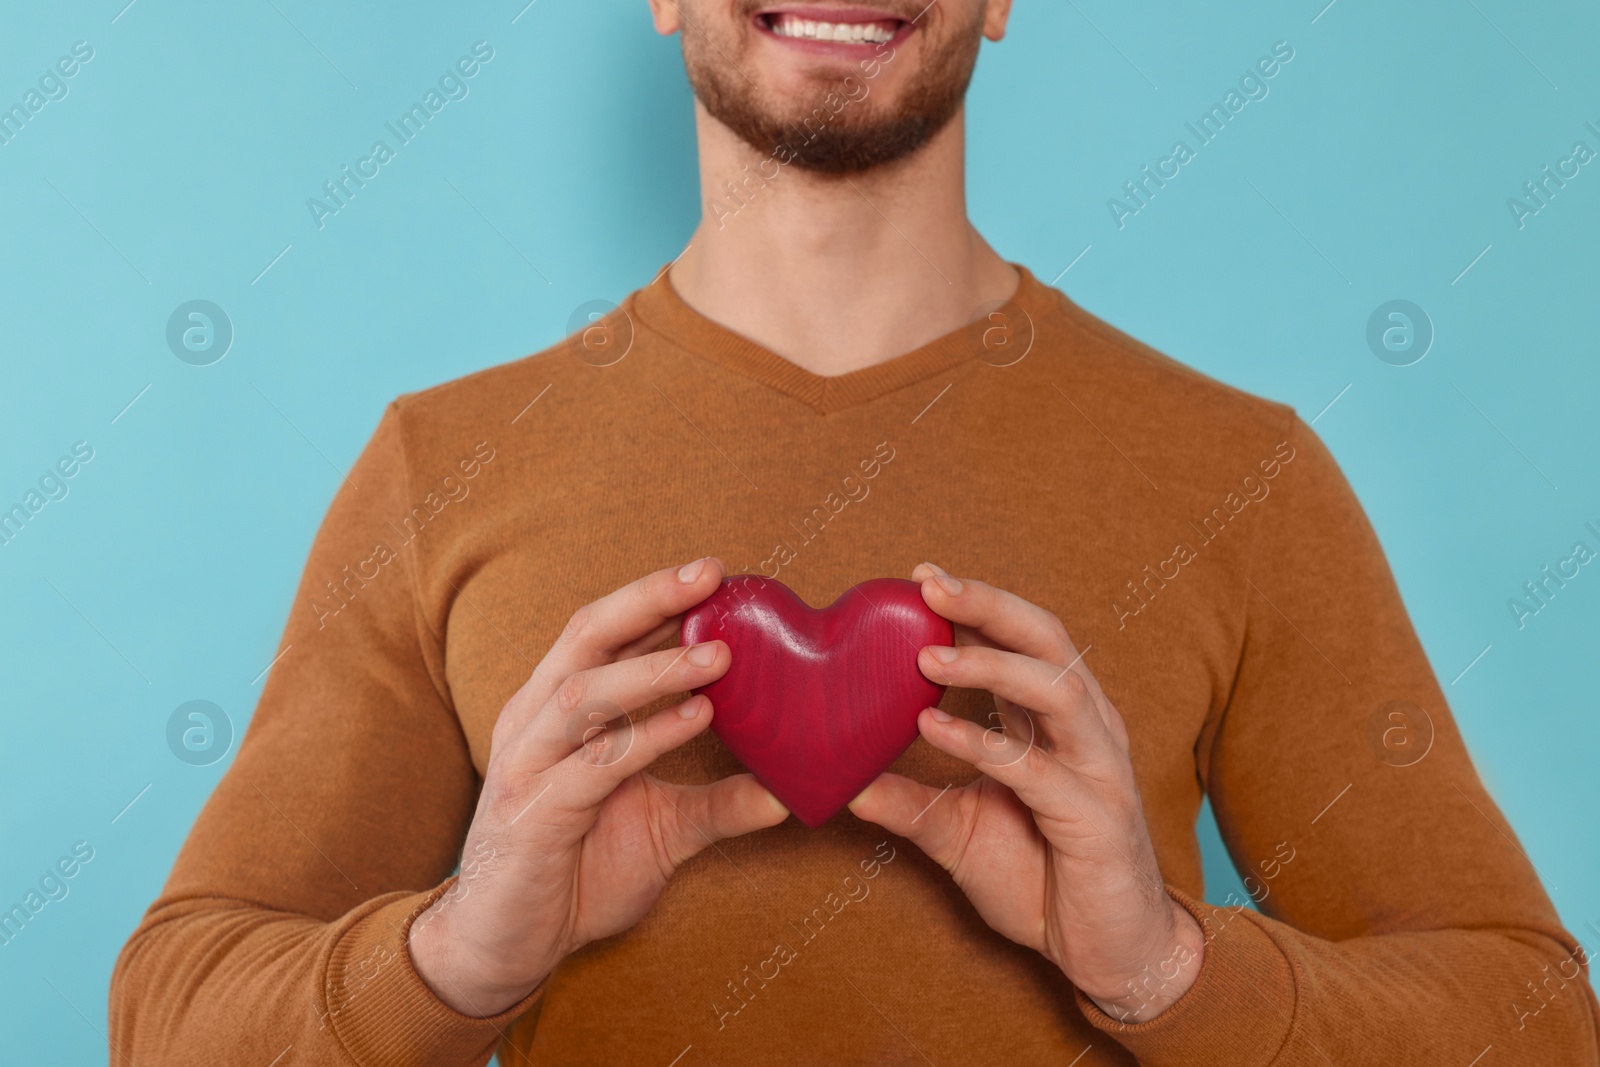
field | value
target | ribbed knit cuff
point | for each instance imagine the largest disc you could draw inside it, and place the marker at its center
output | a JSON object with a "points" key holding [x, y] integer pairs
{"points": [[382, 1010], [1239, 1010]]}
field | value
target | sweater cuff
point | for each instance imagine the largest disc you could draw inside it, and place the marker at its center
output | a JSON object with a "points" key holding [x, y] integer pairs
{"points": [[384, 1013], [1240, 1009]]}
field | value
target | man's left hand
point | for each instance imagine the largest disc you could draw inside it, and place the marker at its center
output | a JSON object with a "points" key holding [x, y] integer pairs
{"points": [[1049, 842]]}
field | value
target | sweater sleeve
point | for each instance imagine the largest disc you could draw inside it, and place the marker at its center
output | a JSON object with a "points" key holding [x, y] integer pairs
{"points": [[285, 919], [1400, 921]]}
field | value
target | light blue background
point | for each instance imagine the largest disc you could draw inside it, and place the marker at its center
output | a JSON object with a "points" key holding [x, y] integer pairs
{"points": [[179, 165]]}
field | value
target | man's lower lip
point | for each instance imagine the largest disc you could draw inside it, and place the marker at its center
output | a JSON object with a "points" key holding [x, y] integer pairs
{"points": [[836, 48]]}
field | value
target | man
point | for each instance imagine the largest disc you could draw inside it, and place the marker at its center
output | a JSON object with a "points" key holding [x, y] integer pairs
{"points": [[838, 380]]}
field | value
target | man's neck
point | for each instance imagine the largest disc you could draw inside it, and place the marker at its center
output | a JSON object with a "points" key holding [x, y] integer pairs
{"points": [[833, 273]]}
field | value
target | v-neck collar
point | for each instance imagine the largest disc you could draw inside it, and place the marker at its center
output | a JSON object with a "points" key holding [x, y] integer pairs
{"points": [[659, 307]]}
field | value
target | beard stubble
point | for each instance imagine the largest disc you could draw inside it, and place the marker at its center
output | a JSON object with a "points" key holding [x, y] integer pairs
{"points": [[859, 136]]}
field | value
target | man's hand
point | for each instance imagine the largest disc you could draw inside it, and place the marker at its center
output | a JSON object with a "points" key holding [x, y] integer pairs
{"points": [[1050, 844], [571, 841]]}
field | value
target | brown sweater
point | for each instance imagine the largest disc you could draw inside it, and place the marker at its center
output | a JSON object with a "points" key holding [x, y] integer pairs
{"points": [[1201, 546]]}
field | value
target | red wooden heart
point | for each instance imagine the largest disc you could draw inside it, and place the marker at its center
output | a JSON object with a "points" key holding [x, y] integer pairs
{"points": [[818, 703]]}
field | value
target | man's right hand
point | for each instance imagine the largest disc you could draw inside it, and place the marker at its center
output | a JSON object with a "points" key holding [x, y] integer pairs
{"points": [[571, 840]]}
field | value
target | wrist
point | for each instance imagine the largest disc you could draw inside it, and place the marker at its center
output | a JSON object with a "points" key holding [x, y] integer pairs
{"points": [[438, 958], [1166, 976]]}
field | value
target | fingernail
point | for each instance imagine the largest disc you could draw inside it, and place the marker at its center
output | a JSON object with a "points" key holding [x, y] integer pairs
{"points": [[948, 584], [690, 571], [935, 568], [691, 707], [940, 716], [943, 653], [703, 654]]}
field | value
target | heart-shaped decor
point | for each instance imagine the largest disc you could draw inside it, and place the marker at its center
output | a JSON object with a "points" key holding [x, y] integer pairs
{"points": [[818, 703]]}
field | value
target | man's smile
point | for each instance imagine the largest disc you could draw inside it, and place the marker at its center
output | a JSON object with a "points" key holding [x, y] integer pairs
{"points": [[836, 31]]}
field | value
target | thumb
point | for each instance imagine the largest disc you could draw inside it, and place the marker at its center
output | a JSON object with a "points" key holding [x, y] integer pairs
{"points": [[699, 815], [922, 814]]}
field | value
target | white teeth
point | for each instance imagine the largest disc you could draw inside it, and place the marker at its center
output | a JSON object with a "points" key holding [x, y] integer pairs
{"points": [[849, 32]]}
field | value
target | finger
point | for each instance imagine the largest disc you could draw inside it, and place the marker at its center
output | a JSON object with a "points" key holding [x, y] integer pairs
{"points": [[1069, 716], [694, 816], [596, 701], [985, 615], [597, 632], [588, 776], [1014, 720], [1039, 781], [920, 813], [1004, 618], [965, 635]]}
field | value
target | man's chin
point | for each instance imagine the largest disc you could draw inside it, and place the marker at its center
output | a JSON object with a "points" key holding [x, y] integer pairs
{"points": [[845, 130], [831, 118], [842, 153]]}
